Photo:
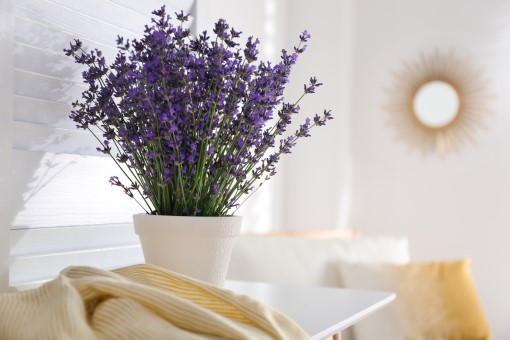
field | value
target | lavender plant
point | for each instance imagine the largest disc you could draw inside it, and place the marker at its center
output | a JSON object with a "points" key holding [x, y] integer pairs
{"points": [[190, 121]]}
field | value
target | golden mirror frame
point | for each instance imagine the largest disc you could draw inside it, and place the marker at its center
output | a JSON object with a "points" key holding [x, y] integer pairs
{"points": [[472, 91]]}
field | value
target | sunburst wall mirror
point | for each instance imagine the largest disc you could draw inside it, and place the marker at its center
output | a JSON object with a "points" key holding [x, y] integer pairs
{"points": [[438, 102]]}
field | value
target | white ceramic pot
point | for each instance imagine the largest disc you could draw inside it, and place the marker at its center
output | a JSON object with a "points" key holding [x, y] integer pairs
{"points": [[199, 247]]}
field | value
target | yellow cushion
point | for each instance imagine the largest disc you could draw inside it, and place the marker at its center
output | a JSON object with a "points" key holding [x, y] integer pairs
{"points": [[435, 300]]}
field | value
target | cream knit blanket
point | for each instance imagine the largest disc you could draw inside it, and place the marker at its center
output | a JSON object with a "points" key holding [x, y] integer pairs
{"points": [[137, 302]]}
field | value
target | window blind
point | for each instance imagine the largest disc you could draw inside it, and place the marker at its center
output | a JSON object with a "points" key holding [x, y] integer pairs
{"points": [[63, 210]]}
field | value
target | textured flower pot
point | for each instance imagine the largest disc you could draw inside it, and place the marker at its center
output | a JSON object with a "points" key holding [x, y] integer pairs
{"points": [[199, 247]]}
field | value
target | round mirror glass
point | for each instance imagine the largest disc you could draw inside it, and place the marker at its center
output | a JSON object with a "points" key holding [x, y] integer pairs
{"points": [[436, 104]]}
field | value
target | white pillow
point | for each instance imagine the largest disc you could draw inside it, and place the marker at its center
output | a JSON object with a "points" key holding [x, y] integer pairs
{"points": [[311, 262]]}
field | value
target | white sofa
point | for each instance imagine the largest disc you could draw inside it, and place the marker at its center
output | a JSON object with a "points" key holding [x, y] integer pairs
{"points": [[307, 261], [435, 299]]}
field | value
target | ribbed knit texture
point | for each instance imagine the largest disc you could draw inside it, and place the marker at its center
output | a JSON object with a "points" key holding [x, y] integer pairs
{"points": [[137, 302]]}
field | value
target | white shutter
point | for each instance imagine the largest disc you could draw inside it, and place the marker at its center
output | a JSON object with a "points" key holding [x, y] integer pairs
{"points": [[61, 210]]}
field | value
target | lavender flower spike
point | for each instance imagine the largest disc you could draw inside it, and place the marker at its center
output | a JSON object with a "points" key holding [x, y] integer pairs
{"points": [[191, 121]]}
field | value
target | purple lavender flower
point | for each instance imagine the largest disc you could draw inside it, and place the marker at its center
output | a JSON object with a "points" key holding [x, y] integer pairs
{"points": [[190, 121]]}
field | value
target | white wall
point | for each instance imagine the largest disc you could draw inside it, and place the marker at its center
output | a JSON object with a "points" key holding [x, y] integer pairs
{"points": [[317, 173], [448, 208], [299, 196]]}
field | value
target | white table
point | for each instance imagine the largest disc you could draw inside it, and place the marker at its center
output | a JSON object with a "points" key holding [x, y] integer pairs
{"points": [[320, 311]]}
